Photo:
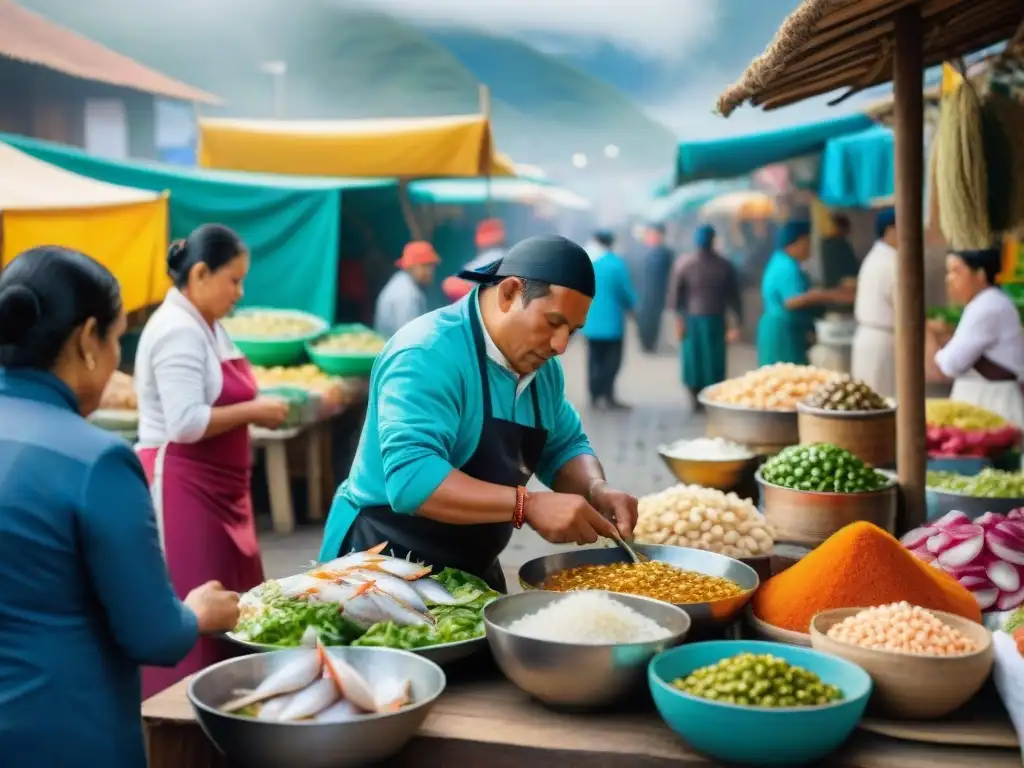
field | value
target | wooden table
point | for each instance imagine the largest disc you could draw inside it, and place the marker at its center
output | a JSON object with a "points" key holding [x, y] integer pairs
{"points": [[316, 440], [482, 720]]}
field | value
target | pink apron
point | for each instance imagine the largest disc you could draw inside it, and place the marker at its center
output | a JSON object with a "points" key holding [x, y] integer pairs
{"points": [[204, 511]]}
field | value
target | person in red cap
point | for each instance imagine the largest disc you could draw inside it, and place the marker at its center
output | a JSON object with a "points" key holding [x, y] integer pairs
{"points": [[403, 298], [490, 242]]}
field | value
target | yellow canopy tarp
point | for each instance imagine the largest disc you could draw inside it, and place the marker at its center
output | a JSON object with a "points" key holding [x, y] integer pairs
{"points": [[124, 229], [410, 148]]}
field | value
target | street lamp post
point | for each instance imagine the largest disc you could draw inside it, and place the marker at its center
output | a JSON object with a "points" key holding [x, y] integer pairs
{"points": [[277, 70]]}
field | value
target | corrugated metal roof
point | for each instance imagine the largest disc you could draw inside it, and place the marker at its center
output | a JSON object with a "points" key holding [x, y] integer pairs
{"points": [[28, 37]]}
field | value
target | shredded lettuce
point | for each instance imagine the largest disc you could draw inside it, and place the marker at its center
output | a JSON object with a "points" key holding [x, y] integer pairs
{"points": [[284, 620]]}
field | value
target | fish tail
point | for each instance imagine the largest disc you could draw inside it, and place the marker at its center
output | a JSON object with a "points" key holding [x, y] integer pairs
{"points": [[377, 549], [241, 702]]}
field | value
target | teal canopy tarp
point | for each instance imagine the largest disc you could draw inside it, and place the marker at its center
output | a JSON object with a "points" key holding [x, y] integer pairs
{"points": [[857, 169], [292, 225], [500, 190], [740, 155], [690, 197]]}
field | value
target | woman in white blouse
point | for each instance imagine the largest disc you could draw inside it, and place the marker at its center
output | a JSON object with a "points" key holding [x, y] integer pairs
{"points": [[197, 397], [984, 356]]}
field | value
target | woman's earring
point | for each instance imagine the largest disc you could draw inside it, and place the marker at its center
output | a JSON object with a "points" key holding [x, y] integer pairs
{"points": [[90, 363]]}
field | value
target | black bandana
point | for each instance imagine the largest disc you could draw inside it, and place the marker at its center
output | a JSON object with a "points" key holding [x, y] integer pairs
{"points": [[989, 259], [546, 258]]}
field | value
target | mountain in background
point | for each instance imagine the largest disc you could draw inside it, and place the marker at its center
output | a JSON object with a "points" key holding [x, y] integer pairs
{"points": [[345, 61]]}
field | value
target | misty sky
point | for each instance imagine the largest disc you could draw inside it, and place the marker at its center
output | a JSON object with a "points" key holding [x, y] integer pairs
{"points": [[665, 31]]}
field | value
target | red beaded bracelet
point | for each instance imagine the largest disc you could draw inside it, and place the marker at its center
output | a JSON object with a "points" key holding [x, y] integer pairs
{"points": [[520, 513]]}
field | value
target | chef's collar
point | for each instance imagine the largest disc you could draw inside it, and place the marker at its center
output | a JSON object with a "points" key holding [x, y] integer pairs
{"points": [[496, 354]]}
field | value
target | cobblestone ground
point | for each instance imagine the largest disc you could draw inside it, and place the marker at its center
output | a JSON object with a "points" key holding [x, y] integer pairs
{"points": [[625, 442]]}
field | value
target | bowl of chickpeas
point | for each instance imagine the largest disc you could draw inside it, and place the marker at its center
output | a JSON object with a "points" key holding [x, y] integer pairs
{"points": [[925, 664], [759, 409]]}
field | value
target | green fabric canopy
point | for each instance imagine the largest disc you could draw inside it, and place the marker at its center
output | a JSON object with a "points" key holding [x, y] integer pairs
{"points": [[291, 224]]}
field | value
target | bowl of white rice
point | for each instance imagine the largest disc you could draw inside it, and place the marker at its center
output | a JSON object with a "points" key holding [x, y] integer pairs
{"points": [[583, 649], [709, 461]]}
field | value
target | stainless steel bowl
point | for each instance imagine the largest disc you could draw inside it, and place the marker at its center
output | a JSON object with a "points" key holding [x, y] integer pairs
{"points": [[443, 653], [574, 674], [723, 475], [764, 432], [706, 617], [939, 503], [258, 744]]}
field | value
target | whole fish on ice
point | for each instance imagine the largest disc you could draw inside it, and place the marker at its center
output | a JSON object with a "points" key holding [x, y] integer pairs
{"points": [[294, 675]]}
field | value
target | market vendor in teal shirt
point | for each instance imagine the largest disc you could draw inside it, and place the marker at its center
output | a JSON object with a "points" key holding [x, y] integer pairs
{"points": [[466, 404], [790, 303]]}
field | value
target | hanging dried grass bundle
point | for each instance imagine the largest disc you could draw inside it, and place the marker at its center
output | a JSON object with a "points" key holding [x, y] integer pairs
{"points": [[961, 180], [1004, 155]]}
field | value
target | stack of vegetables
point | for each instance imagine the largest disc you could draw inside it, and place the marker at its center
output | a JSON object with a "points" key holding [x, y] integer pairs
{"points": [[823, 468], [985, 556], [987, 484], [958, 430]]}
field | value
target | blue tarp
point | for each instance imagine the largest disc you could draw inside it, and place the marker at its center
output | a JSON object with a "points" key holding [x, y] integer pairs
{"points": [[857, 169], [740, 155]]}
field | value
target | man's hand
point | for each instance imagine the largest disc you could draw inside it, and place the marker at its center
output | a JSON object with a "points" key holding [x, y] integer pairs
{"points": [[565, 518], [680, 328], [616, 506], [732, 336]]}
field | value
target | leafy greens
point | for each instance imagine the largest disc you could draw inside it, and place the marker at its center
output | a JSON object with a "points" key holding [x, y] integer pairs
{"points": [[284, 620]]}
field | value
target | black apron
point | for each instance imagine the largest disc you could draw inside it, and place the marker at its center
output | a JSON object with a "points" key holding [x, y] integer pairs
{"points": [[507, 455]]}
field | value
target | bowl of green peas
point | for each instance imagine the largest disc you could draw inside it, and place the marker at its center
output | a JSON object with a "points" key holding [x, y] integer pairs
{"points": [[749, 702], [808, 492]]}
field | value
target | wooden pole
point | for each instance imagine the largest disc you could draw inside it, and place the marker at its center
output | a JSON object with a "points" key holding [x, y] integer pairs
{"points": [[485, 110], [908, 87]]}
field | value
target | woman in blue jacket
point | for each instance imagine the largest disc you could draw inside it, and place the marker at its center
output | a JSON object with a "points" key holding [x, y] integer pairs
{"points": [[84, 593]]}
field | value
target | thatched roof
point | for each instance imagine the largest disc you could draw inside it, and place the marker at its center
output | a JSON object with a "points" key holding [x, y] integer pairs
{"points": [[825, 45]]}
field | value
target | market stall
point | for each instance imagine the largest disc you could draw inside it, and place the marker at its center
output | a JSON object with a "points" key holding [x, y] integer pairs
{"points": [[125, 229], [829, 44], [295, 227], [407, 148]]}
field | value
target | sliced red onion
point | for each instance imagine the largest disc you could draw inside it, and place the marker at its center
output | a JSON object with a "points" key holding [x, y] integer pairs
{"points": [[1014, 530], [964, 531], [986, 598], [1010, 600], [1016, 514], [1004, 547], [917, 537], [939, 543], [963, 553], [954, 517], [975, 582], [989, 519], [1004, 576], [923, 554], [974, 569]]}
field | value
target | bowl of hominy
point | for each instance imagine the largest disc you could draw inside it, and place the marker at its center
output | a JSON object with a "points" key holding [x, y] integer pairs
{"points": [[924, 663]]}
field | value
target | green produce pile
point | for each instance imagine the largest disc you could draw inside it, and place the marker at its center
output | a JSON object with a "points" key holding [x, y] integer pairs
{"points": [[951, 315], [1016, 621], [759, 681], [287, 619], [821, 467], [989, 484], [846, 394]]}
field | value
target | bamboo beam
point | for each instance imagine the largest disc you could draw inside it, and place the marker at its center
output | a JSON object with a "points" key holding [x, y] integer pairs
{"points": [[908, 96]]}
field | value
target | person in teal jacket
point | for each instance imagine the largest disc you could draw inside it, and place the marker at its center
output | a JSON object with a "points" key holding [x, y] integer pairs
{"points": [[466, 403], [85, 598], [787, 323], [606, 322]]}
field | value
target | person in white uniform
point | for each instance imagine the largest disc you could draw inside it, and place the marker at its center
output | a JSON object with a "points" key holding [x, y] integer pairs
{"points": [[984, 356], [872, 359]]}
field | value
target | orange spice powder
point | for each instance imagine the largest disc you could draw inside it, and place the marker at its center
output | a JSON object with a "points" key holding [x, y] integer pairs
{"points": [[858, 566]]}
